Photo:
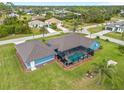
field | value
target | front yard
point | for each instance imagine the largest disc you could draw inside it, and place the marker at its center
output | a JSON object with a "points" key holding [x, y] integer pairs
{"points": [[115, 35], [52, 76]]}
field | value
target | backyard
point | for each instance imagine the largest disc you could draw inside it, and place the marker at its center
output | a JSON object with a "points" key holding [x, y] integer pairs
{"points": [[52, 76], [115, 35]]}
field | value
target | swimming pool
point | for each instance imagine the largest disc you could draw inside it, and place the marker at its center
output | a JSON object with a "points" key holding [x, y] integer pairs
{"points": [[76, 57]]}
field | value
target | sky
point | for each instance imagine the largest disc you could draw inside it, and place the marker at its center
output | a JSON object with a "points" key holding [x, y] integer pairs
{"points": [[67, 3]]}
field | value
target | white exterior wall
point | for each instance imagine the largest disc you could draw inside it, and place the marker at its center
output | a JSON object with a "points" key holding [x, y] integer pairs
{"points": [[36, 24], [32, 64]]}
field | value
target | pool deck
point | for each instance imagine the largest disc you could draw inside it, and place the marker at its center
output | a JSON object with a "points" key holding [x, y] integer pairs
{"points": [[76, 64]]}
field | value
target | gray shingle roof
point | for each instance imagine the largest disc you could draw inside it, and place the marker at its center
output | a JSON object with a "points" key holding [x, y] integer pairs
{"points": [[32, 50], [70, 41]]}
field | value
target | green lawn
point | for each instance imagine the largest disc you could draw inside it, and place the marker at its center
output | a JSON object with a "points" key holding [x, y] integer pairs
{"points": [[14, 36], [34, 31], [95, 29], [52, 76], [115, 35]]}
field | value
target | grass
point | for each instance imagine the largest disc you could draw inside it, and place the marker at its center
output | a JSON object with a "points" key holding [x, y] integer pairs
{"points": [[95, 29], [115, 35], [14, 36], [34, 31], [52, 76], [117, 18]]}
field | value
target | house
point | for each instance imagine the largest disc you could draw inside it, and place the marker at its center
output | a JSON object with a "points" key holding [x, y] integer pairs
{"points": [[73, 40], [69, 49], [28, 11], [13, 15], [34, 52], [73, 48], [115, 26], [53, 21], [36, 24]]}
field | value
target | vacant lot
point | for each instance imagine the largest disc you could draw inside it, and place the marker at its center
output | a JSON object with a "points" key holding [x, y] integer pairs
{"points": [[95, 29], [52, 76], [115, 35]]}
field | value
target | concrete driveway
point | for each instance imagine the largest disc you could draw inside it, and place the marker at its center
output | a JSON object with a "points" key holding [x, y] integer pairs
{"points": [[65, 30], [50, 30]]}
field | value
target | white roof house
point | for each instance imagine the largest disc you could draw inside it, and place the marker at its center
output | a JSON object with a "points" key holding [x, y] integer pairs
{"points": [[13, 15], [36, 24]]}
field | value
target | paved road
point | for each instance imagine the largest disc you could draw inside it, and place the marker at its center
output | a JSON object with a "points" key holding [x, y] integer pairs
{"points": [[101, 33], [120, 42], [65, 30], [23, 39]]}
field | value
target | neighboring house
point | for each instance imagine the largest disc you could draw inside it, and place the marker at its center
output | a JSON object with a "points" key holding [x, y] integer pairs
{"points": [[36, 24], [28, 11], [35, 53], [115, 26], [13, 15], [53, 20], [121, 11]]}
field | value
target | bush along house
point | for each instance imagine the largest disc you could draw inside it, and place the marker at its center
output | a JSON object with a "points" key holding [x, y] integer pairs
{"points": [[69, 49]]}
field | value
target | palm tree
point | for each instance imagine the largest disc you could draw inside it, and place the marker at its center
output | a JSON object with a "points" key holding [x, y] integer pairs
{"points": [[42, 30], [103, 71], [121, 49], [122, 34], [11, 6]]}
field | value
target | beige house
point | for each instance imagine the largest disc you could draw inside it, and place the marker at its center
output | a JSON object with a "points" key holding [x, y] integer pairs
{"points": [[53, 20]]}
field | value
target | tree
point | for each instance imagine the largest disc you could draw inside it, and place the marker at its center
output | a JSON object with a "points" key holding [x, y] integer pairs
{"points": [[43, 30], [53, 26], [106, 72], [20, 12], [12, 6], [122, 34]]}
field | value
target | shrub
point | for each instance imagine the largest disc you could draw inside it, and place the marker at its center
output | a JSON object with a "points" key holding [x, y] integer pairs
{"points": [[121, 49], [101, 47], [97, 37], [107, 40]]}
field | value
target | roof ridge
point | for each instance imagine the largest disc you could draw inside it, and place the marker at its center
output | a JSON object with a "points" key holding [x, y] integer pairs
{"points": [[34, 45]]}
